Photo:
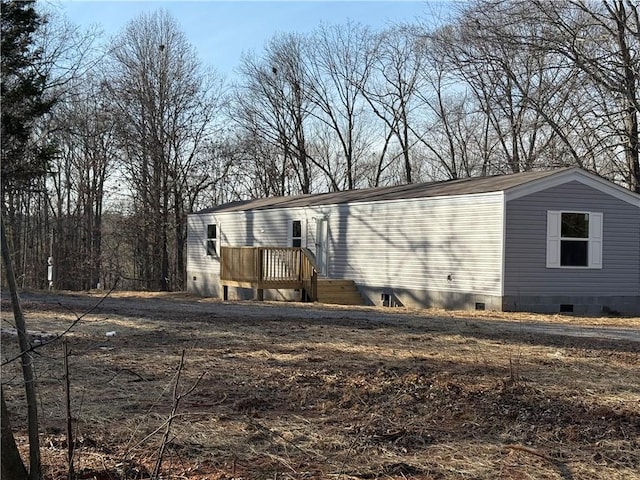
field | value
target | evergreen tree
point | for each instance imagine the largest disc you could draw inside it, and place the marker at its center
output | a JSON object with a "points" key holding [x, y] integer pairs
{"points": [[23, 161], [22, 96]]}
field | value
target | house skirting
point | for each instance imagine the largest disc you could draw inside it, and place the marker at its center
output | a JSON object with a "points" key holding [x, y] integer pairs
{"points": [[204, 284], [208, 285], [396, 297], [581, 305]]}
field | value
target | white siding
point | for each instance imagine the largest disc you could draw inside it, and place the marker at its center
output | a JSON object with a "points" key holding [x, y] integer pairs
{"points": [[419, 244], [446, 244], [197, 258], [260, 227], [238, 229]]}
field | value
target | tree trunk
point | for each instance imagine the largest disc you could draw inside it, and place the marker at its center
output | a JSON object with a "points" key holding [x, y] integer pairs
{"points": [[35, 470], [632, 148], [11, 465]]}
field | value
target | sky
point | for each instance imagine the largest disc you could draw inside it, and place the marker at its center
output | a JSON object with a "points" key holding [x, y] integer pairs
{"points": [[221, 30]]}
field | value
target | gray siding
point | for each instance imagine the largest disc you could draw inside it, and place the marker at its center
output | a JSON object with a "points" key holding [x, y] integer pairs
{"points": [[525, 250]]}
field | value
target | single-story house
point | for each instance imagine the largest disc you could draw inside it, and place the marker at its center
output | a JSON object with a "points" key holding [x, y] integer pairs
{"points": [[561, 240]]}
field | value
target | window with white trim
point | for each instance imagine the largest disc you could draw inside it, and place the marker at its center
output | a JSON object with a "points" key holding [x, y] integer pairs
{"points": [[212, 239], [574, 239]]}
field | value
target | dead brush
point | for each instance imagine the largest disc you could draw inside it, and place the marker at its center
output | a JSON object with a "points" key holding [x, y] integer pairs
{"points": [[414, 397]]}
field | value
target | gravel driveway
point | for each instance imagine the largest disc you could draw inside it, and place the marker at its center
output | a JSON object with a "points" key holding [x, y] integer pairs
{"points": [[181, 306]]}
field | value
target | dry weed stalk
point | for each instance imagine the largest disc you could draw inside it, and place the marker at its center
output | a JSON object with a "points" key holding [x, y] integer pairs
{"points": [[177, 397]]}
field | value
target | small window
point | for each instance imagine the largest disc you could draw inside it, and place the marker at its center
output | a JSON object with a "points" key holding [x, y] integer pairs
{"points": [[212, 237], [574, 239], [296, 234]]}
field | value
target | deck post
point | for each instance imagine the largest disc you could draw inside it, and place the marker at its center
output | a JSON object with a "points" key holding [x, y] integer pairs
{"points": [[225, 292], [260, 294]]}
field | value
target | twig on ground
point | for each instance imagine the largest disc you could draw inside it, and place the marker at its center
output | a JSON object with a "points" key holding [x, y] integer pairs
{"points": [[530, 450]]}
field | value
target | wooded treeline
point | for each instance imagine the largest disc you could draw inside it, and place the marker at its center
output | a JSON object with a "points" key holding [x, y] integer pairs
{"points": [[143, 133]]}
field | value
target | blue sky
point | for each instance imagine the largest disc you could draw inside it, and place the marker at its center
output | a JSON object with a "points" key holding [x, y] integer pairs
{"points": [[221, 30]]}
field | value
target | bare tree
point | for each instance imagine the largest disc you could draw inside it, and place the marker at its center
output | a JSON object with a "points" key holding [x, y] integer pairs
{"points": [[253, 168], [340, 60], [271, 102], [602, 39], [64, 54], [391, 91], [166, 105], [87, 153], [557, 81], [24, 162], [453, 132], [509, 82]]}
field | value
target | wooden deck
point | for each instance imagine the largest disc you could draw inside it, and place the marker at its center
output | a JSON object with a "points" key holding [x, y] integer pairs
{"points": [[286, 268], [263, 268]]}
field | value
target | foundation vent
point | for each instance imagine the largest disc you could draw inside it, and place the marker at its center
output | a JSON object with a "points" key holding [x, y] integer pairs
{"points": [[566, 308]]}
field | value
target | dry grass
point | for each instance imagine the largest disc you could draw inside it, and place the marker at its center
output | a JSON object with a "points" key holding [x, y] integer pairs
{"points": [[337, 394]]}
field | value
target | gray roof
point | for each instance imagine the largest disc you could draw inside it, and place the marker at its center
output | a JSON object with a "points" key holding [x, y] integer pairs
{"points": [[464, 186]]}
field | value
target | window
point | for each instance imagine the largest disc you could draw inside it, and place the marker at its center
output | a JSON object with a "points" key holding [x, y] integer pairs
{"points": [[296, 233], [212, 236], [574, 239]]}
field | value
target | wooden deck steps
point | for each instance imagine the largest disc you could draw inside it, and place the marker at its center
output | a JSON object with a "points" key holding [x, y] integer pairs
{"points": [[338, 292]]}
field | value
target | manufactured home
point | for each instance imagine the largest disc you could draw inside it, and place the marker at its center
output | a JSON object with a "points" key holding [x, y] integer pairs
{"points": [[552, 241]]}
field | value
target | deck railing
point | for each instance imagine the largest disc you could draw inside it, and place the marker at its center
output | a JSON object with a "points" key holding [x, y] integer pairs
{"points": [[269, 267]]}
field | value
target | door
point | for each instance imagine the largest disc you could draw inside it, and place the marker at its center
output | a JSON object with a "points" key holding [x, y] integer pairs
{"points": [[321, 245]]}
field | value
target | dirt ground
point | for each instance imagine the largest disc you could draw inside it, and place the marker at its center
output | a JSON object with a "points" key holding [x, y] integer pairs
{"points": [[298, 391]]}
